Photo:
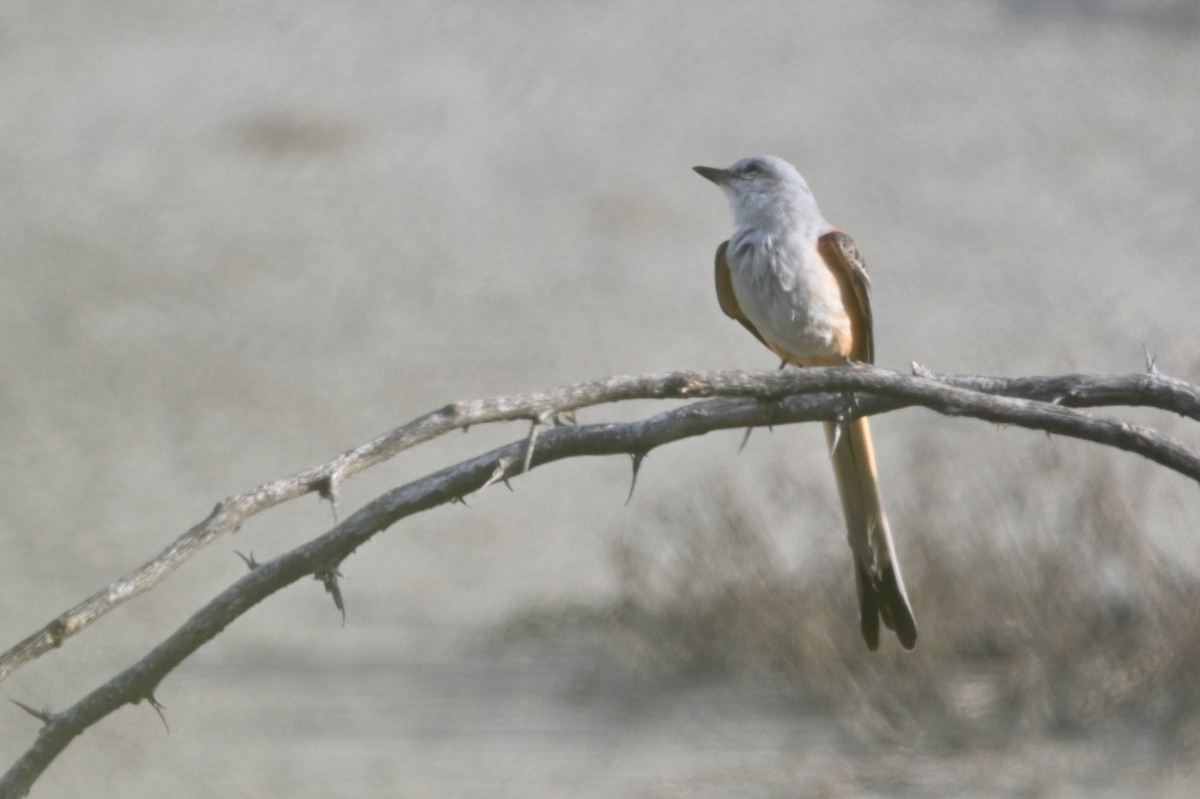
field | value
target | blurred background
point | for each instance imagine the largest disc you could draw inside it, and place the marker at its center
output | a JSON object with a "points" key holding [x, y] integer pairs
{"points": [[238, 239]]}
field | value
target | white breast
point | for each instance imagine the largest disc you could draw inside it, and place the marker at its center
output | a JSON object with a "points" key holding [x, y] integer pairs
{"points": [[785, 289]]}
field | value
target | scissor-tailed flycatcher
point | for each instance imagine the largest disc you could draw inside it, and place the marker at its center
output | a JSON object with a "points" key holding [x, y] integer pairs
{"points": [[799, 285]]}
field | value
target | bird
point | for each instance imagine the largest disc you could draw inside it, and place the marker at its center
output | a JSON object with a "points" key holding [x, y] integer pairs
{"points": [[799, 285]]}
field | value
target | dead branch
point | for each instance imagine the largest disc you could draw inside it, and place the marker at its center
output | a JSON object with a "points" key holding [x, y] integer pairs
{"points": [[745, 399], [1151, 389]]}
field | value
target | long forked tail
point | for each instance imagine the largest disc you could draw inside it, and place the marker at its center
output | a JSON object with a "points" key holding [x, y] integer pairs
{"points": [[881, 594]]}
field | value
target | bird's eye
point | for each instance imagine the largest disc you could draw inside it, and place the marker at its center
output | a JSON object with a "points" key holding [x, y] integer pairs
{"points": [[751, 169]]}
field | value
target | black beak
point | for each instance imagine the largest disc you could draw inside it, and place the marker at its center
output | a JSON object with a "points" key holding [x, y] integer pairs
{"points": [[718, 176]]}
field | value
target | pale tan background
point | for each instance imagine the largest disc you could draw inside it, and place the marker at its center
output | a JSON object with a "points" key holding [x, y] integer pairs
{"points": [[239, 238]]}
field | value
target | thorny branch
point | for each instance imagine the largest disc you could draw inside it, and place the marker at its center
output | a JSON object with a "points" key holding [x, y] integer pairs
{"points": [[744, 399]]}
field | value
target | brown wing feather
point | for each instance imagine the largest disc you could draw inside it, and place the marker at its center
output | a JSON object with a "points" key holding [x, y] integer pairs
{"points": [[843, 257], [726, 297]]}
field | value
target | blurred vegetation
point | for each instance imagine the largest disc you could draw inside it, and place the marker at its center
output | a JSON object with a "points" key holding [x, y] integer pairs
{"points": [[1057, 635]]}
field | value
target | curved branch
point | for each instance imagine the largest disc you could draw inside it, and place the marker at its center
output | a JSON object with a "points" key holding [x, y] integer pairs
{"points": [[321, 556], [1150, 389]]}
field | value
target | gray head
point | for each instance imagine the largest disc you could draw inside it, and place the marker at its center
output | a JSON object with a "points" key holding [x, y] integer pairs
{"points": [[762, 185]]}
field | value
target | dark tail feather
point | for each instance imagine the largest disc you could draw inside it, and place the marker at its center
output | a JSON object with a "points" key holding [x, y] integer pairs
{"points": [[868, 606], [884, 601]]}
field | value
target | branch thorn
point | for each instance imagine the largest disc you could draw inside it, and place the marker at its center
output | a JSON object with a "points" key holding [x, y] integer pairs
{"points": [[251, 563], [327, 488], [534, 428], [638, 457], [1151, 366], [745, 439], [329, 578], [44, 715], [838, 425], [503, 464], [841, 422], [158, 708]]}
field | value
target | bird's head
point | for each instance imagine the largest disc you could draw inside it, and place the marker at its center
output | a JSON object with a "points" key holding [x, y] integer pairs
{"points": [[761, 185]]}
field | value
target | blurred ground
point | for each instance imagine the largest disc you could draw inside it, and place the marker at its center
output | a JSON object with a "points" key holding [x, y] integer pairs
{"points": [[238, 239]]}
